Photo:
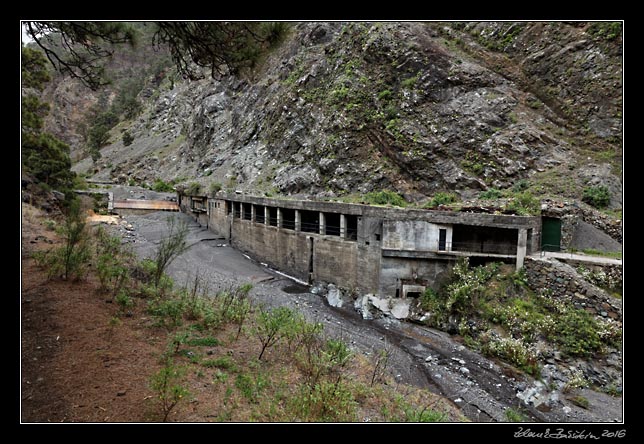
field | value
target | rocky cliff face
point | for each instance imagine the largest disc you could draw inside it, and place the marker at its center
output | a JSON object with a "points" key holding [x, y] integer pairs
{"points": [[345, 108]]}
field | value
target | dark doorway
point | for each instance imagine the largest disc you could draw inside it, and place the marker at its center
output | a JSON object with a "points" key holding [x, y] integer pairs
{"points": [[550, 234], [442, 239]]}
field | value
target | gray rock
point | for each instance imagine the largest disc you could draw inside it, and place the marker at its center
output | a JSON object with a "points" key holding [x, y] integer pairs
{"points": [[334, 296]]}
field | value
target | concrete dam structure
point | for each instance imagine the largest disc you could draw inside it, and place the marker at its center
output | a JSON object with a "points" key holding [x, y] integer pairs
{"points": [[389, 252]]}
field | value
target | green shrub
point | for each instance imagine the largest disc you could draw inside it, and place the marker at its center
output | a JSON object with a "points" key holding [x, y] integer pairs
{"points": [[223, 362], [424, 415], [194, 189], [72, 258], [520, 185], [124, 300], [385, 197], [524, 204], [249, 386], [605, 30], [326, 401], [169, 310], [513, 351], [127, 138], [596, 196], [578, 333], [491, 193], [384, 95], [580, 401], [112, 262], [430, 301], [215, 187], [273, 325], [514, 415], [208, 341], [441, 198], [162, 187], [167, 384]]}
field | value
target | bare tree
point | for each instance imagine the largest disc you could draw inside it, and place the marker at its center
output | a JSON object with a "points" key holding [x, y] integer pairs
{"points": [[170, 247]]}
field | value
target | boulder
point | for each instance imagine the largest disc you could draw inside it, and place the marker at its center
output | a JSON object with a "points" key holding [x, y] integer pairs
{"points": [[334, 296]]}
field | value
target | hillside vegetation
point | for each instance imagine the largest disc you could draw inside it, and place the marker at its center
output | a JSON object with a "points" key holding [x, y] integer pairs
{"points": [[334, 109]]}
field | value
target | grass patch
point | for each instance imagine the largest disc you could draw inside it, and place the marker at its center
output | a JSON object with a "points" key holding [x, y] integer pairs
{"points": [[513, 415], [385, 197], [223, 362], [580, 401], [208, 341]]}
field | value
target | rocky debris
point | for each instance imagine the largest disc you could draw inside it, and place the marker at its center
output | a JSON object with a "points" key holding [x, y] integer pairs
{"points": [[371, 306], [334, 296]]}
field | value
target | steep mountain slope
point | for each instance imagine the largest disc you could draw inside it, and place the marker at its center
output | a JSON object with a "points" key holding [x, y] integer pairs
{"points": [[347, 108]]}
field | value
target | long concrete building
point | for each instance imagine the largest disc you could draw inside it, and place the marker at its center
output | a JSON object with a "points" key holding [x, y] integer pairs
{"points": [[389, 252]]}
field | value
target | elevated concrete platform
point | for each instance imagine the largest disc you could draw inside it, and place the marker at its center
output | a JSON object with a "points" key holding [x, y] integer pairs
{"points": [[141, 204]]}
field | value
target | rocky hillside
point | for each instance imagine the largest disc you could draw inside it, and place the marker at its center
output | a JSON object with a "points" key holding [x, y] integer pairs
{"points": [[340, 109]]}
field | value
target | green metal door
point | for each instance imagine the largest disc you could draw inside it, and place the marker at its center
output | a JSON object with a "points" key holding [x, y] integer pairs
{"points": [[550, 234]]}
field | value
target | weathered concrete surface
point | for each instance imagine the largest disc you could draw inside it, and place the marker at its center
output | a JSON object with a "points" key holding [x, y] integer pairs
{"points": [[587, 236]]}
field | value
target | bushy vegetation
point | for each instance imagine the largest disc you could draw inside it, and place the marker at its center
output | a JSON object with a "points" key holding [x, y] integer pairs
{"points": [[385, 197], [477, 301], [43, 155], [162, 187], [217, 339], [596, 196], [127, 138], [491, 193], [605, 30], [215, 187], [193, 189], [71, 260], [524, 204], [441, 198]]}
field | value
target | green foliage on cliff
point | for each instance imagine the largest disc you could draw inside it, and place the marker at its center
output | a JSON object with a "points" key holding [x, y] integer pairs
{"points": [[43, 155]]}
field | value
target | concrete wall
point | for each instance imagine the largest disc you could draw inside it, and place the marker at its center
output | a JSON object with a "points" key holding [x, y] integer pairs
{"points": [[387, 253], [427, 272], [413, 235]]}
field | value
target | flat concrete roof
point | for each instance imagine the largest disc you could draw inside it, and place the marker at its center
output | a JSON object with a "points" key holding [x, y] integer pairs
{"points": [[390, 213]]}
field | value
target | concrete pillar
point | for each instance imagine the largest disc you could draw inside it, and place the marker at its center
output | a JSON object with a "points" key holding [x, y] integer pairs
{"points": [[279, 218], [298, 221], [322, 223], [521, 247], [252, 212], [267, 214], [343, 226]]}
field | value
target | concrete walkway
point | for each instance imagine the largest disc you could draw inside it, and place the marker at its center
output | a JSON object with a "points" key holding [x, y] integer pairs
{"points": [[600, 260]]}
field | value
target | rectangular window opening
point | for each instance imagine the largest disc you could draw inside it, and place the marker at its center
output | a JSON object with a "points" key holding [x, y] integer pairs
{"points": [[247, 211], [288, 218], [310, 221], [272, 216], [260, 218], [352, 227], [332, 224]]}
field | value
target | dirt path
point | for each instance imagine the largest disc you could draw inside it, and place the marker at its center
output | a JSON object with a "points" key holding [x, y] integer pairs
{"points": [[77, 364], [482, 388]]}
